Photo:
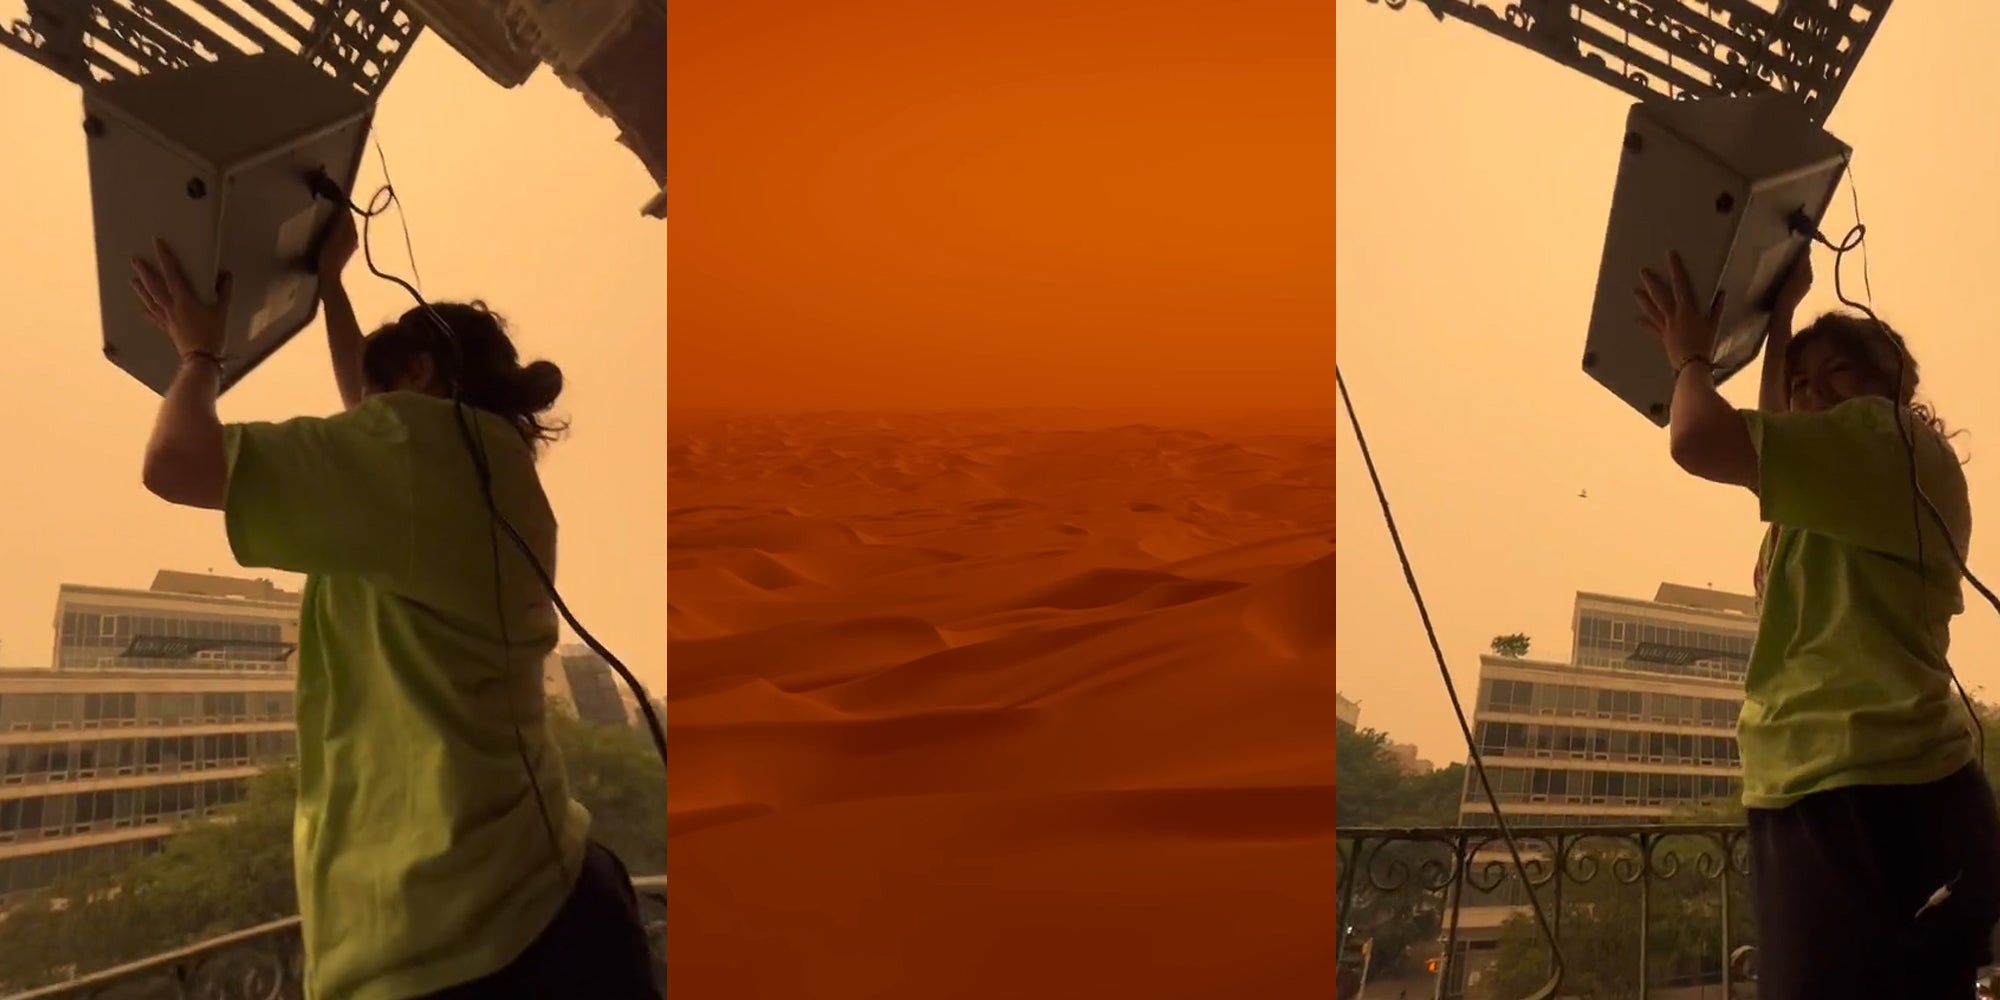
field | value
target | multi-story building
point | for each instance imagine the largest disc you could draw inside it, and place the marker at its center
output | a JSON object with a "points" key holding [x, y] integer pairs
{"points": [[1406, 759], [162, 705], [98, 767], [583, 680], [184, 621], [1345, 712], [1639, 724]]}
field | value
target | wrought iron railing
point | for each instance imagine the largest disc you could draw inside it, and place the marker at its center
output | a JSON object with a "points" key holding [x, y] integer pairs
{"points": [[1645, 912], [265, 963]]}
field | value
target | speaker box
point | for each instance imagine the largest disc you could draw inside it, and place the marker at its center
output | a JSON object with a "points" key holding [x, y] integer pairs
{"points": [[1719, 181], [213, 158]]}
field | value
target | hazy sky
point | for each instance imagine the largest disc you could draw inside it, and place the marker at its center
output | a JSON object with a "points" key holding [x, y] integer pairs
{"points": [[521, 197], [915, 204], [1474, 180]]}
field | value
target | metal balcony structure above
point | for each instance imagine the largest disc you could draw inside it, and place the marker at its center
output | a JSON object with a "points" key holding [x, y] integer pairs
{"points": [[1671, 50], [359, 42], [613, 52]]}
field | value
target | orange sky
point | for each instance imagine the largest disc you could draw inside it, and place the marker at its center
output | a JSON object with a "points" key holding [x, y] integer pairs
{"points": [[1474, 182], [522, 197], [910, 204]]}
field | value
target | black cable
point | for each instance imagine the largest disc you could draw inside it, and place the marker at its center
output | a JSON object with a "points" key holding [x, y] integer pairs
{"points": [[481, 465], [402, 216], [1457, 707], [384, 198], [1920, 501]]}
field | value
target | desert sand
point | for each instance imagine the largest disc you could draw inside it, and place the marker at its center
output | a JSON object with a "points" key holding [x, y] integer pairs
{"points": [[981, 705]]}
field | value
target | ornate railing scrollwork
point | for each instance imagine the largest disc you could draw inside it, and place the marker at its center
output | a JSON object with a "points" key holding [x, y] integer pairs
{"points": [[1631, 881]]}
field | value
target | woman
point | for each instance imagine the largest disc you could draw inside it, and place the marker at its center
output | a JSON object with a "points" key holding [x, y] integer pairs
{"points": [[438, 851], [1875, 848]]}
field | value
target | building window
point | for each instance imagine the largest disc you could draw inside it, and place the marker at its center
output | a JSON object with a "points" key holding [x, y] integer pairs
{"points": [[1512, 696]]}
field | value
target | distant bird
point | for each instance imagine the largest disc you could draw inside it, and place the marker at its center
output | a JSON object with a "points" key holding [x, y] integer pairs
{"points": [[1583, 494]]}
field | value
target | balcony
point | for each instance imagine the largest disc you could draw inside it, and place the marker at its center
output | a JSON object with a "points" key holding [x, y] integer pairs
{"points": [[264, 963], [1654, 912]]}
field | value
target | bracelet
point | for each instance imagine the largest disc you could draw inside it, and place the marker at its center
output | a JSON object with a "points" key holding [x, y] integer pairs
{"points": [[209, 356], [1686, 362]]}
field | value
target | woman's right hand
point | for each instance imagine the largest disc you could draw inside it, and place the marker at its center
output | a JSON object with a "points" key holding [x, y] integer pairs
{"points": [[1792, 291], [336, 248]]}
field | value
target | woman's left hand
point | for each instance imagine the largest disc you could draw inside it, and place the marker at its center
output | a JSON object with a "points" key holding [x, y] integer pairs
{"points": [[171, 304], [1667, 307]]}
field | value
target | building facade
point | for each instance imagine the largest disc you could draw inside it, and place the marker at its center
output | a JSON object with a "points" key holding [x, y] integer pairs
{"points": [[1407, 761], [1346, 713], [161, 706], [1639, 725], [183, 621], [584, 681], [98, 767]]}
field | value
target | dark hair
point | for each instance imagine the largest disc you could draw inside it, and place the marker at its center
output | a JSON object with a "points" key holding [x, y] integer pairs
{"points": [[478, 360], [1876, 346]]}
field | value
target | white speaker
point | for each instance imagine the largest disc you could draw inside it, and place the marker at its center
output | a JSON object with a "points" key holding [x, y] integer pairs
{"points": [[213, 158], [1719, 181]]}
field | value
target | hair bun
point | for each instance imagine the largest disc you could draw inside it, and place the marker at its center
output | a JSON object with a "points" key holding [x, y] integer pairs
{"points": [[538, 384]]}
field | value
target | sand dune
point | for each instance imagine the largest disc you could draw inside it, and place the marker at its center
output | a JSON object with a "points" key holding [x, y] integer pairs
{"points": [[1001, 705], [1282, 612]]}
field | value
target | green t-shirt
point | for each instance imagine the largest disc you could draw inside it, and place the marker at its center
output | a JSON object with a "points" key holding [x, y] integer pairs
{"points": [[1848, 683], [422, 858]]}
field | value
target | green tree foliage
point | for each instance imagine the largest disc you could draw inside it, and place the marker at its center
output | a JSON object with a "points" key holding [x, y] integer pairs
{"points": [[1989, 721], [1513, 646], [617, 775], [210, 878], [1370, 789], [1598, 918], [1684, 925], [235, 871]]}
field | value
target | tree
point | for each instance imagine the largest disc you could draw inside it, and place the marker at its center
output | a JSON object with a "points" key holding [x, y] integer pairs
{"points": [[209, 878], [1370, 789], [1989, 724], [617, 775], [1598, 917], [1684, 930], [1512, 647], [235, 871]]}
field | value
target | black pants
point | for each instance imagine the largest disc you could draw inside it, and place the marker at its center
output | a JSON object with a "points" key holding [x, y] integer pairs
{"points": [[595, 947], [1841, 880]]}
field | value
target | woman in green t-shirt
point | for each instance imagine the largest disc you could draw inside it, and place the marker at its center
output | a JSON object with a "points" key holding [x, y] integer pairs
{"points": [[1874, 840], [438, 850]]}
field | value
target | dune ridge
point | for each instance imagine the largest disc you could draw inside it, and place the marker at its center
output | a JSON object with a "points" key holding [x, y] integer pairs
{"points": [[959, 699]]}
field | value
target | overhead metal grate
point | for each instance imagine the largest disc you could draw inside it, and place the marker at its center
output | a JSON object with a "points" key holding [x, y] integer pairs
{"points": [[1673, 50], [359, 42]]}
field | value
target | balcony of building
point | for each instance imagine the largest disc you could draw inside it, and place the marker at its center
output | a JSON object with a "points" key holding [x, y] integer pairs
{"points": [[265, 963]]}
